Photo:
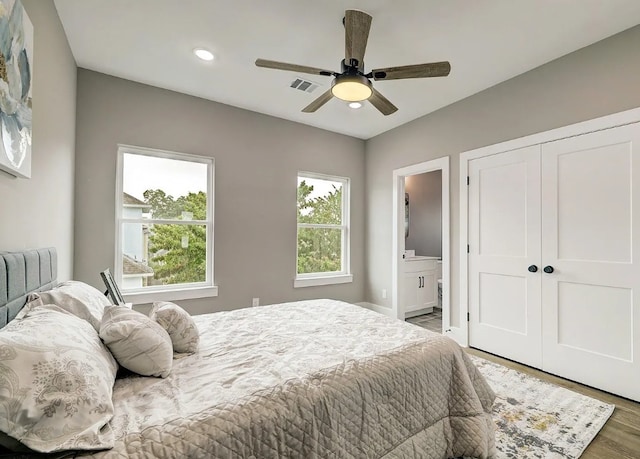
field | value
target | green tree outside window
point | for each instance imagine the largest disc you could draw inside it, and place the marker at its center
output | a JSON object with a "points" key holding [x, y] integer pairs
{"points": [[178, 253], [319, 248]]}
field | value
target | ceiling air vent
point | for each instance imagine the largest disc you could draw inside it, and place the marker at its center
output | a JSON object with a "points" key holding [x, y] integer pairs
{"points": [[304, 85]]}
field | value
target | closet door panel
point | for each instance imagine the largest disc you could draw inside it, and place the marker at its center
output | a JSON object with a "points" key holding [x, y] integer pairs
{"points": [[504, 240], [593, 203], [590, 209], [592, 331]]}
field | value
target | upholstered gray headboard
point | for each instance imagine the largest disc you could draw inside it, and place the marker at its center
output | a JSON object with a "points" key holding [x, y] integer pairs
{"points": [[22, 273]]}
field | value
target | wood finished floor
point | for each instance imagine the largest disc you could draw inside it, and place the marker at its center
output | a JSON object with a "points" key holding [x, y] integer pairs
{"points": [[620, 436]]}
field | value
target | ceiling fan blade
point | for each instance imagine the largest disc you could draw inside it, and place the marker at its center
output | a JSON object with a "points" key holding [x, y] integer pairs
{"points": [[319, 102], [356, 29], [382, 103], [434, 69], [292, 67]]}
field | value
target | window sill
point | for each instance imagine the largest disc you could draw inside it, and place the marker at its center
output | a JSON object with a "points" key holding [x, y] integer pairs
{"points": [[322, 280], [170, 295]]}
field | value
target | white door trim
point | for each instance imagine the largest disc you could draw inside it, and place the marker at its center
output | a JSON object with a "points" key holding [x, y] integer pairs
{"points": [[397, 245], [597, 124]]}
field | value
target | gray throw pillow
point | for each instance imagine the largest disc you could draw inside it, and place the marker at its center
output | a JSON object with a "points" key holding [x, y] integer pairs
{"points": [[179, 324], [137, 342]]}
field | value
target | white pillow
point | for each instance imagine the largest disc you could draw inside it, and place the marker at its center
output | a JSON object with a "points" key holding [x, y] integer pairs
{"points": [[179, 324], [57, 381], [137, 342], [76, 297]]}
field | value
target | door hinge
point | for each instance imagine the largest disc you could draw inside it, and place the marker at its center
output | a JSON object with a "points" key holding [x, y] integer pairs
{"points": [[467, 317], [467, 180], [468, 250]]}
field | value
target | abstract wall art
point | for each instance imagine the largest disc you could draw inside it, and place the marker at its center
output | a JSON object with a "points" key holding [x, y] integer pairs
{"points": [[16, 60]]}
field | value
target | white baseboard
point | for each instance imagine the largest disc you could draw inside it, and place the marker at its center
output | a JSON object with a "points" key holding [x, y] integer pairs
{"points": [[376, 307]]}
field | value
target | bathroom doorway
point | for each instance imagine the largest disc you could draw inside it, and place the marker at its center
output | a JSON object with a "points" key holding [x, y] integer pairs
{"points": [[423, 214], [421, 246]]}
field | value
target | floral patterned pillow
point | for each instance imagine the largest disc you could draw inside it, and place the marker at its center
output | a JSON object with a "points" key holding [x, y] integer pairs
{"points": [[76, 297], [137, 342], [179, 324], [56, 381]]}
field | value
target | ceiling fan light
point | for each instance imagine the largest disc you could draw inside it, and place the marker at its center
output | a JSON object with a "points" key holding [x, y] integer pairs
{"points": [[352, 88]]}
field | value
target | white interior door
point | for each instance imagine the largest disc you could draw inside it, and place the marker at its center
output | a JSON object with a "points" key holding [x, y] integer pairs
{"points": [[591, 222], [504, 241]]}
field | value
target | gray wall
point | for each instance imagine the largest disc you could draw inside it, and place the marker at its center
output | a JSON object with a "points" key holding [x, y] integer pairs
{"points": [[595, 81], [38, 212], [425, 213], [257, 158]]}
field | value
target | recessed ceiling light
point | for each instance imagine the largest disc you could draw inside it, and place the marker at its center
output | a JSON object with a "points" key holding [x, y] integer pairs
{"points": [[355, 105], [203, 54]]}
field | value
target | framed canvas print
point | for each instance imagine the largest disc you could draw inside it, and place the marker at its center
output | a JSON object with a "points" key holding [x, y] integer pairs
{"points": [[16, 61], [112, 288]]}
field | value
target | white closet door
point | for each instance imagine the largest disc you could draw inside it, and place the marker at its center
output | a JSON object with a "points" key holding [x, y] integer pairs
{"points": [[591, 224], [504, 240]]}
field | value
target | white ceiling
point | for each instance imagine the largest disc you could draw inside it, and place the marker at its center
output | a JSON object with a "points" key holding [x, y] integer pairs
{"points": [[486, 41]]}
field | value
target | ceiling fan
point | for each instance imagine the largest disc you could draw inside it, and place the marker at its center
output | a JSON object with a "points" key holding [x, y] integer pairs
{"points": [[352, 84]]}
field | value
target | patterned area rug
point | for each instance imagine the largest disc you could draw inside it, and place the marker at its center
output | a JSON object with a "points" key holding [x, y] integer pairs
{"points": [[536, 419]]}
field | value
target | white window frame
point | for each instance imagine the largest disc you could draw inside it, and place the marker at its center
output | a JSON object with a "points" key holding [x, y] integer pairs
{"points": [[175, 291], [333, 277]]}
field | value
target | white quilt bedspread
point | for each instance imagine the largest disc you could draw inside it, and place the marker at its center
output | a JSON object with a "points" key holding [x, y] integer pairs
{"points": [[310, 379]]}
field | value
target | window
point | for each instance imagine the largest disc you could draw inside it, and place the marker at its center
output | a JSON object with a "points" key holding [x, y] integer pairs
{"points": [[164, 235], [323, 230]]}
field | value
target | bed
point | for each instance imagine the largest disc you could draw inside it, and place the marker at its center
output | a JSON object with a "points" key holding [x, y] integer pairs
{"points": [[317, 379]]}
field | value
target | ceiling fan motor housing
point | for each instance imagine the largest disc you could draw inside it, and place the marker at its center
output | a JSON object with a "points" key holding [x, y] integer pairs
{"points": [[353, 66]]}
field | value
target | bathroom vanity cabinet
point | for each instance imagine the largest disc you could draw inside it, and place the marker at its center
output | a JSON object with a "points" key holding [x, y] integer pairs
{"points": [[419, 291]]}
